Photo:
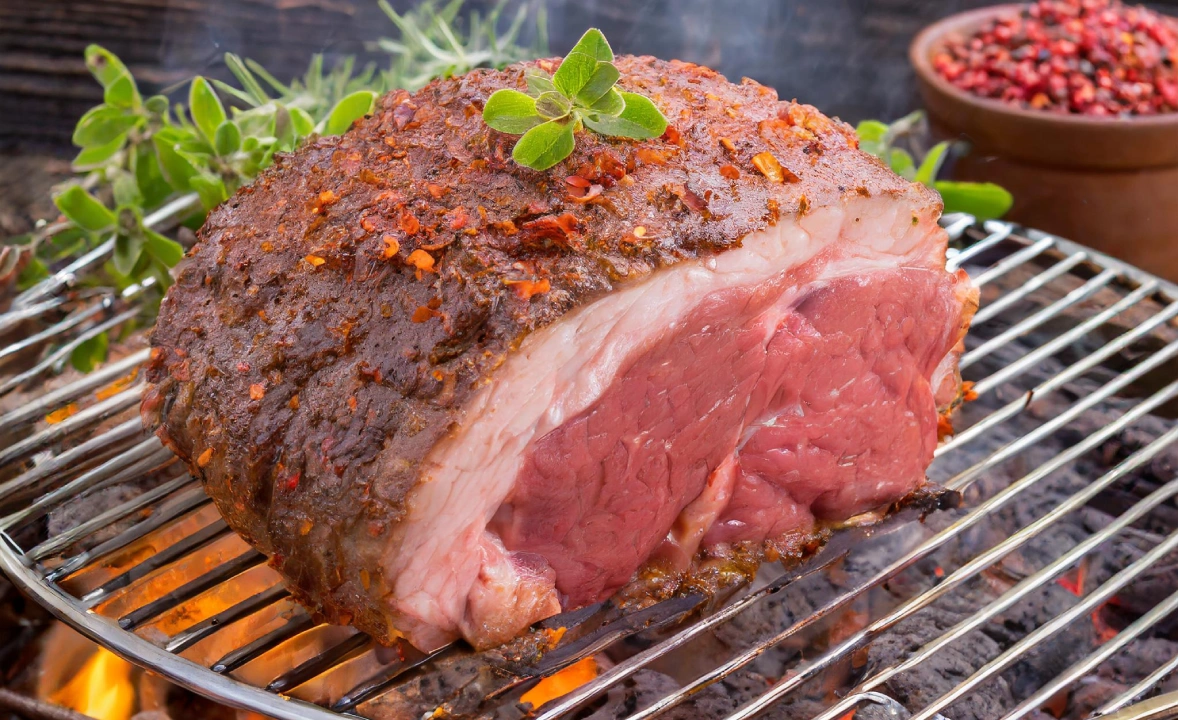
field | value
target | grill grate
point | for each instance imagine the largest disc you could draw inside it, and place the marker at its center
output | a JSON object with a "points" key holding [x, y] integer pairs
{"points": [[160, 579]]}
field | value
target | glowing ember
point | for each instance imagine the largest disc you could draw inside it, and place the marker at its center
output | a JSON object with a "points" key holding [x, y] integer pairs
{"points": [[562, 683], [102, 689], [1073, 582], [1104, 631]]}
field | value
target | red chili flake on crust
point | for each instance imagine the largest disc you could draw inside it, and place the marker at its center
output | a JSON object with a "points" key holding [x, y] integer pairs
{"points": [[267, 246], [294, 402], [292, 481], [257, 391], [367, 224], [730, 172], [525, 289], [315, 260], [689, 199], [205, 458], [650, 156], [391, 246], [436, 191], [352, 402], [458, 218], [672, 135], [559, 230], [768, 166], [408, 223], [728, 145], [420, 259], [243, 366], [403, 115], [327, 197], [422, 314], [968, 394]]}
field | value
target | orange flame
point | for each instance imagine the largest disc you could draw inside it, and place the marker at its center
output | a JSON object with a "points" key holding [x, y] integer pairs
{"points": [[562, 683], [102, 689]]}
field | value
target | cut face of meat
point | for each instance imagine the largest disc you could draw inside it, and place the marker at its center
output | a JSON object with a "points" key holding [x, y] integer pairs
{"points": [[720, 402]]}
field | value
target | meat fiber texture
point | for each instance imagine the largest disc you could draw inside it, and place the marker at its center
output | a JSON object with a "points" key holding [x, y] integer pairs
{"points": [[449, 396]]}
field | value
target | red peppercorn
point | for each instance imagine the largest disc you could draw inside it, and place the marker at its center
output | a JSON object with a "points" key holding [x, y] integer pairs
{"points": [[1096, 57]]}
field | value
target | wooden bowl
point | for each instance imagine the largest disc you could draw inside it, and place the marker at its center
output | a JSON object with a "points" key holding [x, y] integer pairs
{"points": [[1110, 183]]}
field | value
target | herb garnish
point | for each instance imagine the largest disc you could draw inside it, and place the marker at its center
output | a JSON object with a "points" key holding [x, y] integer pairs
{"points": [[982, 200], [149, 164], [580, 94]]}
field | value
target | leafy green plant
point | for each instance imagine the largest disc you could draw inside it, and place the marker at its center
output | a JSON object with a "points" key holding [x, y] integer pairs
{"points": [[982, 200], [580, 94], [147, 160]]}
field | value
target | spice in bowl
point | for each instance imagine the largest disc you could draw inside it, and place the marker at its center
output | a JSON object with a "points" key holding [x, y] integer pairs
{"points": [[1090, 57]]}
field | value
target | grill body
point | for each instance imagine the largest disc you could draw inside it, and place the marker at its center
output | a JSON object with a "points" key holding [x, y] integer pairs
{"points": [[158, 578]]}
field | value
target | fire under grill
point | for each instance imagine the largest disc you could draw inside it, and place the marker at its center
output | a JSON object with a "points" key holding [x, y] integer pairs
{"points": [[1043, 581]]}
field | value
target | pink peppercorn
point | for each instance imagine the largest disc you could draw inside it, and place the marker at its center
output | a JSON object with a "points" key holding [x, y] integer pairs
{"points": [[1093, 57]]}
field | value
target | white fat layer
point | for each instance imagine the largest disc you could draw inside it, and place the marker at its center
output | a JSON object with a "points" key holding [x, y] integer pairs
{"points": [[561, 370]]}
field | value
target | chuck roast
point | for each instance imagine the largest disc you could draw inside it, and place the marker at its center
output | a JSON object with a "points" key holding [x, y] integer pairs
{"points": [[449, 396]]}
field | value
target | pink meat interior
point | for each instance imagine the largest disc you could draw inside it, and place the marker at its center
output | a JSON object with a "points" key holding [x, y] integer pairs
{"points": [[768, 406]]}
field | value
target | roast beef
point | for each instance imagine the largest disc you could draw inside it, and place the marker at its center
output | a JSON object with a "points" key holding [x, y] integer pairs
{"points": [[449, 395]]}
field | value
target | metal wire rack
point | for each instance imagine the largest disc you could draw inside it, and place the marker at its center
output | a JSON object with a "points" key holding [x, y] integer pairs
{"points": [[159, 579]]}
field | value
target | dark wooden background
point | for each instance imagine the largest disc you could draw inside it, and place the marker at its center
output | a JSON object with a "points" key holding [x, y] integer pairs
{"points": [[848, 57], [845, 56]]}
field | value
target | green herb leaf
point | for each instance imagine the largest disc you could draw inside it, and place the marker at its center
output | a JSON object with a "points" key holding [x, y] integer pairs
{"points": [[639, 120], [985, 201], [902, 164], [211, 190], [153, 186], [156, 105], [126, 190], [610, 103], [552, 105], [538, 82], [84, 210], [603, 79], [90, 353], [34, 272], [594, 44], [348, 110], [128, 248], [871, 131], [931, 165], [227, 139], [511, 111], [167, 251], [102, 124], [544, 145], [95, 155], [205, 106], [574, 73], [302, 121], [176, 168], [117, 83]]}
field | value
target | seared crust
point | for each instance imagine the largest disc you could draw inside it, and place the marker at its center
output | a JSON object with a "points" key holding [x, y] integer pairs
{"points": [[303, 369]]}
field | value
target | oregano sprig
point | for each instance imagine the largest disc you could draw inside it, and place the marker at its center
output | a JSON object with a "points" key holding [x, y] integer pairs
{"points": [[581, 94]]}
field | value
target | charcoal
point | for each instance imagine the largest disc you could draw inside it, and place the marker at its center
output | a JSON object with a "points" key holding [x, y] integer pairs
{"points": [[937, 675]]}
